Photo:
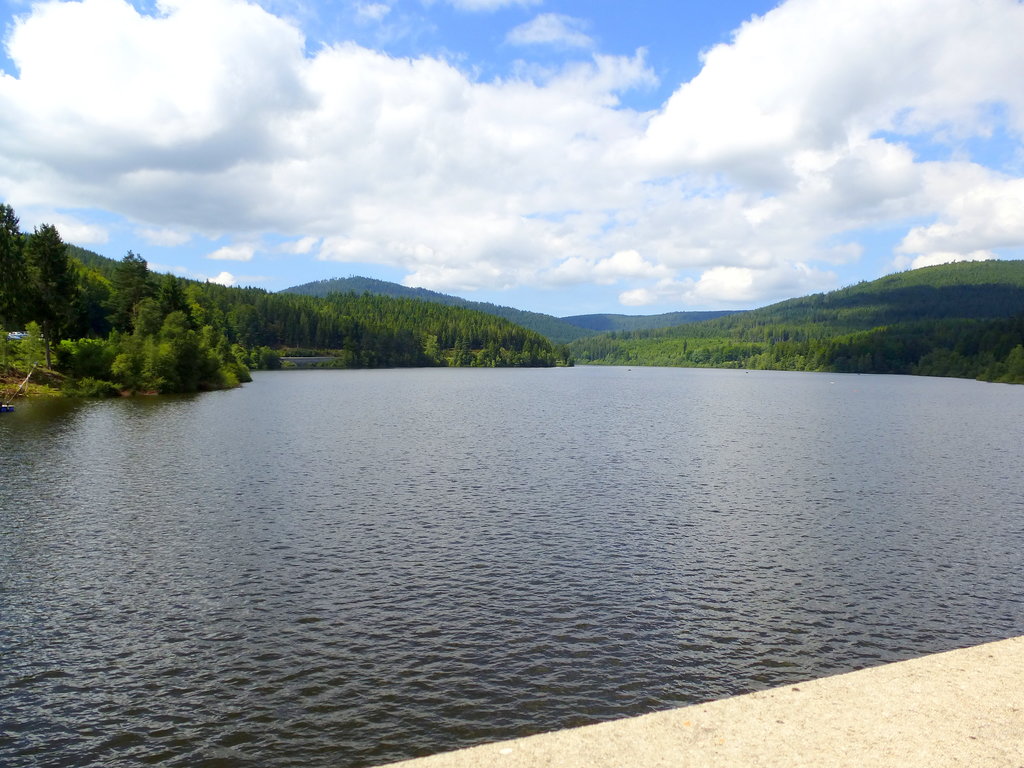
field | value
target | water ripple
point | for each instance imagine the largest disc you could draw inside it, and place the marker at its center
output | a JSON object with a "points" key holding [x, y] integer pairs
{"points": [[345, 568]]}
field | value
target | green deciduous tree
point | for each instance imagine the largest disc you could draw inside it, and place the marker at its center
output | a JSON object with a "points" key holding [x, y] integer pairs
{"points": [[30, 349]]}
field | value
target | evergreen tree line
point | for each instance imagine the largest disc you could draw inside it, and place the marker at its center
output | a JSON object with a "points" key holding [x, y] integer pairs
{"points": [[960, 320], [111, 326], [557, 330]]}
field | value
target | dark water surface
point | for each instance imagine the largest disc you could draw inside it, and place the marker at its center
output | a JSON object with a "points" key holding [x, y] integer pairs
{"points": [[341, 568]]}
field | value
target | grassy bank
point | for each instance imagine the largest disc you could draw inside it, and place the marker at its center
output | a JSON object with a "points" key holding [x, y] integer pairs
{"points": [[44, 383]]}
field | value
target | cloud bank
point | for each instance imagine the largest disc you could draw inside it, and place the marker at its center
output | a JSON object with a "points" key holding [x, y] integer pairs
{"points": [[757, 179]]}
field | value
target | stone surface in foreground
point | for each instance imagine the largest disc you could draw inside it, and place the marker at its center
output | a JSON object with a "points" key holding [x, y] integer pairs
{"points": [[961, 708]]}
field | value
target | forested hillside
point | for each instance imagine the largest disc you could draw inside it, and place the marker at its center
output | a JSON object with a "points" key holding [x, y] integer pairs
{"points": [[642, 322], [963, 319], [106, 326], [558, 331]]}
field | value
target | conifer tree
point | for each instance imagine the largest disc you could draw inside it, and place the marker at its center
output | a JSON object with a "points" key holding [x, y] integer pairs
{"points": [[131, 284], [13, 277], [53, 286]]}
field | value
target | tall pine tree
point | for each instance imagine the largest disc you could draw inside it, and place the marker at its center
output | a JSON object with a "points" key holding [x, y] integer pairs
{"points": [[13, 276], [54, 289], [131, 284]]}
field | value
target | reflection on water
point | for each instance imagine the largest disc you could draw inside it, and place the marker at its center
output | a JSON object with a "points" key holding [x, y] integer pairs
{"points": [[340, 568]]}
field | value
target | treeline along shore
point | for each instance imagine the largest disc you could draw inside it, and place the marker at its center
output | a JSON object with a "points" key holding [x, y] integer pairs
{"points": [[97, 326], [963, 320]]}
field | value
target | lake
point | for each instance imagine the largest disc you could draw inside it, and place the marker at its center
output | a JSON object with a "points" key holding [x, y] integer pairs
{"points": [[344, 568]]}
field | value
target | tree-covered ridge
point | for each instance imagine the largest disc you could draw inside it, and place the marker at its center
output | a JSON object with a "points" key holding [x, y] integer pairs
{"points": [[365, 330], [109, 326], [979, 290], [553, 328], [371, 331], [94, 261], [962, 319], [560, 330], [613, 322]]}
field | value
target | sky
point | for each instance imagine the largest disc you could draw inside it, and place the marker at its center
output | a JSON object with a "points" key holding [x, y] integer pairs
{"points": [[560, 156]]}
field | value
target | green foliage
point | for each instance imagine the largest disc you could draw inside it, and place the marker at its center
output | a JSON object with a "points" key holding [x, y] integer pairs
{"points": [[124, 327], [13, 271], [266, 359], [175, 358], [960, 320], [85, 358], [130, 284], [558, 330], [367, 331], [1012, 368], [147, 317], [94, 299], [217, 333], [52, 289], [171, 297], [553, 328], [93, 262], [157, 347], [30, 350], [89, 387], [613, 322]]}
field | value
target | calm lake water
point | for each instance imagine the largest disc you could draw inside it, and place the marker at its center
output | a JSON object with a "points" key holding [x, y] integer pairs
{"points": [[343, 568]]}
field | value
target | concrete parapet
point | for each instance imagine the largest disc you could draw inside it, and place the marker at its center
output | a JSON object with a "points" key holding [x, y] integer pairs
{"points": [[960, 708]]}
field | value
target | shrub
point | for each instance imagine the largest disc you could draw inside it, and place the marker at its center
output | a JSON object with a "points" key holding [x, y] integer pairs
{"points": [[89, 387]]}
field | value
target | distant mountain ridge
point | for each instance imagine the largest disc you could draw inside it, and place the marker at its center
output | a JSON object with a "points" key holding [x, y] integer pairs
{"points": [[964, 319], [132, 330], [612, 322], [549, 326], [560, 330], [961, 290]]}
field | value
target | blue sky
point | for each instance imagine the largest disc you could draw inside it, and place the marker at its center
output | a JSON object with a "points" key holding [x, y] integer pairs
{"points": [[558, 156]]}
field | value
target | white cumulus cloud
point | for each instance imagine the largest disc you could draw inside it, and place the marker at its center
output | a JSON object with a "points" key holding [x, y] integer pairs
{"points": [[988, 214], [233, 253], [732, 287], [224, 278], [816, 122], [73, 230], [301, 246], [622, 265], [552, 29], [822, 75], [164, 236], [947, 257]]}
